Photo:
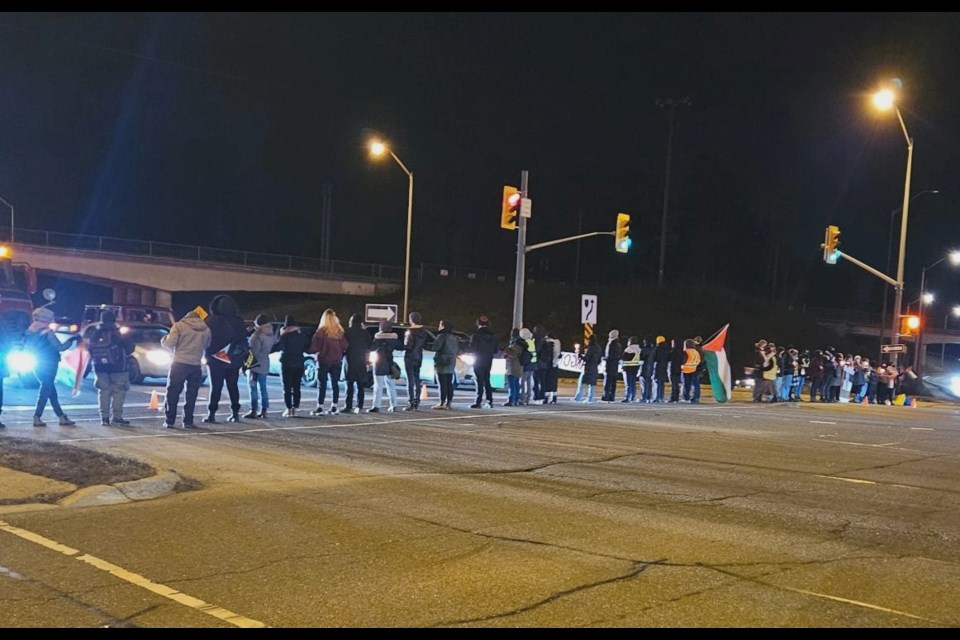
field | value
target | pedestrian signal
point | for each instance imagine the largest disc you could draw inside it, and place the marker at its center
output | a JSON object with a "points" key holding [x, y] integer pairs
{"points": [[831, 244], [622, 235], [909, 325], [510, 208]]}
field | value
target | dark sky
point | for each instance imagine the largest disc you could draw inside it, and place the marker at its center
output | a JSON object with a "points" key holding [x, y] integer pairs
{"points": [[220, 129]]}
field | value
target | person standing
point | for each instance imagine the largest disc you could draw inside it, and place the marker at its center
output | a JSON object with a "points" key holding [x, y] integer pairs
{"points": [[358, 354], [544, 357], [592, 357], [661, 361], [631, 367], [47, 348], [445, 349], [611, 359], [676, 369], [647, 352], [262, 342], [385, 342], [690, 370], [109, 351], [552, 378], [514, 368], [188, 339], [225, 356], [330, 345], [483, 346], [293, 344], [6, 344], [529, 361], [413, 340]]}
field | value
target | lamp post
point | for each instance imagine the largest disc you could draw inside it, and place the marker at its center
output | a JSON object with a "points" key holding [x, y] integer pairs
{"points": [[885, 100], [11, 218], [954, 257], [955, 311], [377, 149]]}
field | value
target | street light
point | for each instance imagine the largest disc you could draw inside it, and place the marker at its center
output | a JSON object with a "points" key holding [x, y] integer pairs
{"points": [[378, 149], [954, 257], [955, 311], [885, 100], [11, 217]]}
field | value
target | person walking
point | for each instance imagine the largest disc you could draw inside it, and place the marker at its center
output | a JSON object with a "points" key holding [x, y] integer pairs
{"points": [[358, 354], [293, 344], [611, 358], [552, 377], [631, 367], [109, 351], [514, 369], [414, 339], [261, 341], [445, 349], [330, 345], [225, 356], [43, 342], [385, 342], [188, 339], [483, 346]]}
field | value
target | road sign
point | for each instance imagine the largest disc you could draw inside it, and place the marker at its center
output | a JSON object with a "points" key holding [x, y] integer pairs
{"points": [[526, 207], [893, 348], [378, 312], [588, 309]]}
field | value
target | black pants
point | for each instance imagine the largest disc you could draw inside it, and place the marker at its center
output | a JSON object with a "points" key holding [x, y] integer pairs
{"points": [[325, 371], [551, 379], [539, 384], [446, 388], [356, 378], [675, 385], [482, 374], [292, 377], [414, 384], [180, 374], [48, 391], [610, 385], [220, 374]]}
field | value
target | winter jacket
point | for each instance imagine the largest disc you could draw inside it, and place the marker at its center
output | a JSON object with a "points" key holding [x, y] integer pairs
{"points": [[544, 353], [227, 332], [292, 345], [262, 342], [531, 347], [189, 338], [413, 340], [631, 358], [646, 356], [512, 356], [45, 346], [329, 349], [384, 344], [483, 346], [358, 349], [591, 363], [661, 360], [612, 356], [556, 353], [118, 338], [445, 349]]}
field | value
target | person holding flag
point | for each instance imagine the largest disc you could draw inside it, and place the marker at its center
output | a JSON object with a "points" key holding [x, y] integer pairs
{"points": [[715, 357]]}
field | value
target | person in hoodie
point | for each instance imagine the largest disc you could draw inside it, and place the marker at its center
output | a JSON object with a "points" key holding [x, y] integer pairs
{"points": [[261, 341], [592, 357], [661, 362], [358, 354], [413, 340], [292, 345], [647, 352], [45, 346], [483, 346], [551, 378], [514, 368], [529, 362], [385, 342], [676, 369], [631, 368], [330, 345], [188, 339], [225, 355], [445, 350], [611, 365]]}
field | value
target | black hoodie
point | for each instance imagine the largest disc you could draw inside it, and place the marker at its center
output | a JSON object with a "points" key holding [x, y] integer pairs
{"points": [[483, 346], [227, 331]]}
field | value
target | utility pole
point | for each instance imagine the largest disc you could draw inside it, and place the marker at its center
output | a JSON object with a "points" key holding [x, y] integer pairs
{"points": [[325, 214], [521, 257], [671, 105]]}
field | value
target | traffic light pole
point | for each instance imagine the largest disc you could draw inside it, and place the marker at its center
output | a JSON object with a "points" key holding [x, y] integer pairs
{"points": [[867, 267], [521, 275]]}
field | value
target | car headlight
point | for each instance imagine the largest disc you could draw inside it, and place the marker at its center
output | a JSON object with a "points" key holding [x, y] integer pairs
{"points": [[373, 357], [159, 357], [468, 359], [21, 362]]}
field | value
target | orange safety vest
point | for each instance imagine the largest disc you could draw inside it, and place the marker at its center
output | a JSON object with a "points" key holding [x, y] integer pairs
{"points": [[692, 362]]}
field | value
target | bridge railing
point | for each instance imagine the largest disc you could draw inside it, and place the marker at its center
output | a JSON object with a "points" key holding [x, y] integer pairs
{"points": [[200, 254]]}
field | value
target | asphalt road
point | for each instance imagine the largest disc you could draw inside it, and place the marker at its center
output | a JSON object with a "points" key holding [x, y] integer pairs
{"points": [[734, 515]]}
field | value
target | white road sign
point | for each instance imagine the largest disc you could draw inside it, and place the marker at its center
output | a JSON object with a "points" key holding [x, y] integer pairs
{"points": [[378, 312], [526, 207], [588, 309]]}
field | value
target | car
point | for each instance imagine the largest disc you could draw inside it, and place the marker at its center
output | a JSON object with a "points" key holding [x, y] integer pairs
{"points": [[127, 313], [149, 359]]}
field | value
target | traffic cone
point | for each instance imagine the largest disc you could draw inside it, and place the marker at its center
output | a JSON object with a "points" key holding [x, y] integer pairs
{"points": [[865, 402], [424, 394], [914, 403], [154, 401]]}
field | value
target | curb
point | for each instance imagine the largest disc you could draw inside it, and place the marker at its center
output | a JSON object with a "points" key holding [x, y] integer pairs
{"points": [[156, 486]]}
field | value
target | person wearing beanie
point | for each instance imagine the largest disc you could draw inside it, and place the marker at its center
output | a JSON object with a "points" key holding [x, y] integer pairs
{"points": [[385, 342], [188, 338], [445, 349], [226, 354], [414, 340], [647, 352], [43, 342], [358, 354], [661, 365], [612, 366], [109, 351], [293, 344], [261, 342], [483, 346], [631, 368]]}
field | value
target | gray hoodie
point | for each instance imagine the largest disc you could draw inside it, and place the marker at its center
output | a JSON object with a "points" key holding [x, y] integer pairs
{"points": [[188, 338], [261, 344]]}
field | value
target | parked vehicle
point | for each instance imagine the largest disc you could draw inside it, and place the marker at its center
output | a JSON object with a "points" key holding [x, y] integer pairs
{"points": [[149, 359], [127, 313]]}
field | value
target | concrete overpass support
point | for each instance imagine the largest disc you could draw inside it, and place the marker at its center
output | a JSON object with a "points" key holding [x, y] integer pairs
{"points": [[142, 295]]}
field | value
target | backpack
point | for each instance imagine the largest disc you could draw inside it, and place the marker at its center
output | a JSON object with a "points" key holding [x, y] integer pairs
{"points": [[106, 350], [525, 356]]}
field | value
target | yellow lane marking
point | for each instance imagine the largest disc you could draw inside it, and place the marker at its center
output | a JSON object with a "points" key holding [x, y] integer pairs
{"points": [[858, 603]]}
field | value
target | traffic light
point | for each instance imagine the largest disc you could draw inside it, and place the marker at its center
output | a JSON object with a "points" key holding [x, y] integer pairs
{"points": [[831, 244], [909, 325], [622, 237], [510, 208]]}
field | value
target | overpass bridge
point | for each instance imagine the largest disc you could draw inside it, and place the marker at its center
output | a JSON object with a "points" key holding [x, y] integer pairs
{"points": [[148, 272]]}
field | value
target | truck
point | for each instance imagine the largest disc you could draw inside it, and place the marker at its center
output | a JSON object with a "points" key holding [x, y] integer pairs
{"points": [[18, 281]]}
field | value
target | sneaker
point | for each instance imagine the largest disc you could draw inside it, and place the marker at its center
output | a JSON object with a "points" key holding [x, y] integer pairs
{"points": [[373, 410], [189, 425], [66, 422], [391, 409], [490, 405], [476, 405], [37, 422], [318, 412], [357, 410], [2, 426], [333, 410], [251, 414], [289, 413], [210, 418], [439, 406], [167, 425], [105, 423], [410, 407], [121, 421], [508, 404]]}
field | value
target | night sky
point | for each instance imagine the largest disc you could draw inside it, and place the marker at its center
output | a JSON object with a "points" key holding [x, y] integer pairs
{"points": [[222, 129]]}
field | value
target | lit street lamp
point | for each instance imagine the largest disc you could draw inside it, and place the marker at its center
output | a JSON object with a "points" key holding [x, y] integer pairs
{"points": [[886, 100], [378, 149], [955, 311], [954, 257]]}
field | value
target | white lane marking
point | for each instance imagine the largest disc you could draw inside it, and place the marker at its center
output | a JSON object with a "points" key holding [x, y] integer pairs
{"points": [[822, 422], [921, 429], [136, 579], [857, 603], [10, 573], [853, 480]]}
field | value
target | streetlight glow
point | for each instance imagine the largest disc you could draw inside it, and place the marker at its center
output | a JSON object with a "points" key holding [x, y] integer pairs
{"points": [[377, 148], [928, 298], [956, 311], [955, 258], [884, 99]]}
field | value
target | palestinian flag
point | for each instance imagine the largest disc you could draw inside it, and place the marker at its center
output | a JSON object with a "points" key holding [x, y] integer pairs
{"points": [[715, 355]]}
